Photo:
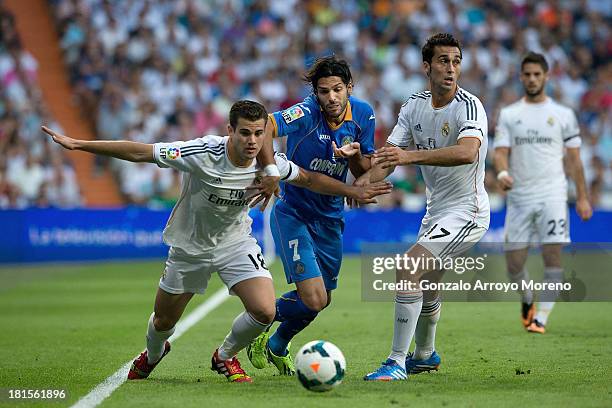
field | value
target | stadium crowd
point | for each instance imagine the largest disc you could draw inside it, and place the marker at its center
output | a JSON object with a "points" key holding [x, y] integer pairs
{"points": [[33, 172], [170, 69]]}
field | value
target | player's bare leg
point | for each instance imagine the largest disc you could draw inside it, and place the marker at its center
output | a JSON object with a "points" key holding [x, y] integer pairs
{"points": [[517, 272], [553, 274], [257, 296], [167, 311]]}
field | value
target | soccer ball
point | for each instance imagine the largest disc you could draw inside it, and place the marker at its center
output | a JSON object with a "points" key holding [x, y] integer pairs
{"points": [[320, 366]]}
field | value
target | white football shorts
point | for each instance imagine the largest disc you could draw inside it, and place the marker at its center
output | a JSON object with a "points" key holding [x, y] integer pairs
{"points": [[543, 223], [449, 234], [186, 273]]}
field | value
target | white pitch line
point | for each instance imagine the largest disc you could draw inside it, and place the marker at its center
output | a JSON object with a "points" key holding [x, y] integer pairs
{"points": [[106, 387]]}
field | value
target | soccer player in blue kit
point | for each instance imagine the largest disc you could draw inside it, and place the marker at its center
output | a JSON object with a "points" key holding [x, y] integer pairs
{"points": [[329, 132]]}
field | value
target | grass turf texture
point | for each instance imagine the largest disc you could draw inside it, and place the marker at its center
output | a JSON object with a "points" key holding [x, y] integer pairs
{"points": [[70, 327]]}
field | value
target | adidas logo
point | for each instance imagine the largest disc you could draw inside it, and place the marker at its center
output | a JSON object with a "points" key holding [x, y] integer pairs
{"points": [[216, 180], [417, 127]]}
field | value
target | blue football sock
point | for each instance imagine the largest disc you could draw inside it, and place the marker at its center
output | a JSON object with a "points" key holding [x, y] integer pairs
{"points": [[294, 316], [285, 332], [290, 307]]}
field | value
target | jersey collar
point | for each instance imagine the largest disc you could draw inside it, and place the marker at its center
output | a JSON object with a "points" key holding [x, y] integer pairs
{"points": [[348, 116]]}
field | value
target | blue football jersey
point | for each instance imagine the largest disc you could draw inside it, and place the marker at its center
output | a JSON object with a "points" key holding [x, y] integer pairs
{"points": [[309, 145]]}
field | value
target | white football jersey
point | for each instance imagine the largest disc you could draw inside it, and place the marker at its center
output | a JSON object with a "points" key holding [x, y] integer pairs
{"points": [[212, 210], [421, 126], [536, 134]]}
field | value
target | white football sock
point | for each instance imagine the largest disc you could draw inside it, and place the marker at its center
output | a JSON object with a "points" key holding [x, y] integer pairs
{"points": [[244, 329], [425, 335], [548, 297], [407, 310], [523, 275], [155, 341]]}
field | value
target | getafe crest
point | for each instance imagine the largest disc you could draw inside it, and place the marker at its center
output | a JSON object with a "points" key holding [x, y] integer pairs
{"points": [[347, 140], [445, 129]]}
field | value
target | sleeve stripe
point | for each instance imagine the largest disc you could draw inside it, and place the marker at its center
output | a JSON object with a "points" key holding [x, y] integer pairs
{"points": [[471, 128], [571, 137], [393, 144], [271, 117], [470, 105], [190, 149], [214, 153], [288, 174]]}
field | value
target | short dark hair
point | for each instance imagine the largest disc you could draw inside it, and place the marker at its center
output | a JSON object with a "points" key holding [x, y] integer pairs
{"points": [[535, 58], [327, 67], [248, 110], [440, 39]]}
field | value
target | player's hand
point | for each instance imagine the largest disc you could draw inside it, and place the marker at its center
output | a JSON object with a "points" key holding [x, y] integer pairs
{"points": [[362, 181], [266, 188], [365, 194], [65, 141], [346, 151], [391, 156], [584, 210], [505, 182]]}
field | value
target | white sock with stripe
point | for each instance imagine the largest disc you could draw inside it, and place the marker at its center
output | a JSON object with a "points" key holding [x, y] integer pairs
{"points": [[407, 309], [548, 297], [518, 278], [155, 341], [244, 329], [425, 335]]}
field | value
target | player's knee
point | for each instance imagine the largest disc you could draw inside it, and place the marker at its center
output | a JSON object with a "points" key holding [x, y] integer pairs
{"points": [[264, 314], [163, 323], [316, 301], [329, 299]]}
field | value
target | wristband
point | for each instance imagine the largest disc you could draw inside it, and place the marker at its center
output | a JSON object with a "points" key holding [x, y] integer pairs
{"points": [[502, 174], [271, 170]]}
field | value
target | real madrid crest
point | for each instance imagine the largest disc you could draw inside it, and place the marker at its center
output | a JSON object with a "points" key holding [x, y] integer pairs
{"points": [[550, 121], [445, 129]]}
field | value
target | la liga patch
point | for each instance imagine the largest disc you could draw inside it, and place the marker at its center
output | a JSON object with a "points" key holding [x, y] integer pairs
{"points": [[291, 114], [174, 153]]}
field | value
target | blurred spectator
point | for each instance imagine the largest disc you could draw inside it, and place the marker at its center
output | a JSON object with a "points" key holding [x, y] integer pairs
{"points": [[165, 70], [27, 160]]}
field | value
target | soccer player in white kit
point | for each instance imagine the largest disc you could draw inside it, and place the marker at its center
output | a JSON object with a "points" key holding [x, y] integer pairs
{"points": [[443, 130], [531, 137], [209, 229]]}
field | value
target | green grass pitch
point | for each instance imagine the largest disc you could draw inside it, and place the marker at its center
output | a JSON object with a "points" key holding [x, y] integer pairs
{"points": [[70, 327]]}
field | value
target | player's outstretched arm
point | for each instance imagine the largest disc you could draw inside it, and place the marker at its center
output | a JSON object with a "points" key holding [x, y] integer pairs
{"points": [[464, 152], [323, 184], [120, 149], [583, 207], [500, 161]]}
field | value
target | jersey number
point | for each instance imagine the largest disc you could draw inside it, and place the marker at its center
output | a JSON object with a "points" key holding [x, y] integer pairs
{"points": [[294, 244], [443, 233], [260, 262], [553, 226]]}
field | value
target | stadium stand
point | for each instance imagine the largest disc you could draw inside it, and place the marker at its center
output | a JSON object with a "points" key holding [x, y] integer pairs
{"points": [[168, 70], [32, 172]]}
